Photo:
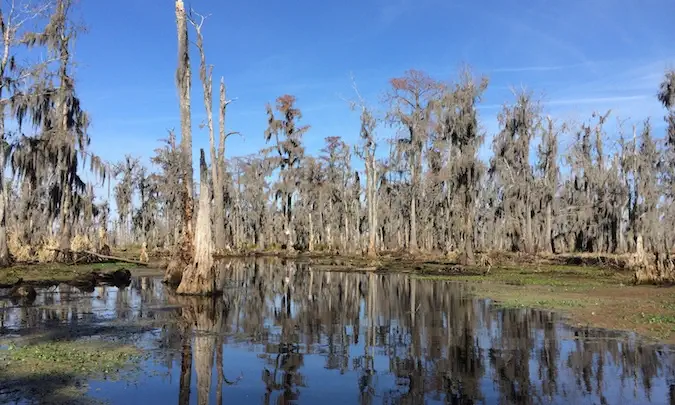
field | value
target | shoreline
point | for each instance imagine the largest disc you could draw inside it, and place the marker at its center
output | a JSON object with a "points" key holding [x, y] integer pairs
{"points": [[588, 295]]}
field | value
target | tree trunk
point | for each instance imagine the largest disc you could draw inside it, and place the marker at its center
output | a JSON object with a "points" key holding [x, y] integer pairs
{"points": [[413, 223], [550, 248], [218, 182], [5, 259], [468, 240], [206, 77], [311, 233], [372, 210], [183, 81], [345, 237], [199, 278], [529, 239], [184, 254], [289, 218]]}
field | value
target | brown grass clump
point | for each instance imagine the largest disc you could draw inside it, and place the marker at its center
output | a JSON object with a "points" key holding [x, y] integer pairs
{"points": [[20, 251], [144, 253], [45, 252], [80, 243]]}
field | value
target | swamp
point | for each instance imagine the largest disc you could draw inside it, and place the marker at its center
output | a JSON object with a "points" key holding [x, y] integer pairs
{"points": [[458, 241]]}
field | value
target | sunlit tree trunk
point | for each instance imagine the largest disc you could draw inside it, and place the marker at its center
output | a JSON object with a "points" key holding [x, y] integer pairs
{"points": [[200, 277], [183, 83]]}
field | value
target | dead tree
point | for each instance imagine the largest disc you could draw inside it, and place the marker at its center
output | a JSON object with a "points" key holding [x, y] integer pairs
{"points": [[200, 278], [183, 254], [183, 84], [217, 155]]}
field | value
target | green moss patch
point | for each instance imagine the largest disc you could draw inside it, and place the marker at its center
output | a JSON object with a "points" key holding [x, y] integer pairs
{"points": [[56, 372]]}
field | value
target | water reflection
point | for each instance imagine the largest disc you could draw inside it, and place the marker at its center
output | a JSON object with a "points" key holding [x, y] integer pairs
{"points": [[283, 333]]}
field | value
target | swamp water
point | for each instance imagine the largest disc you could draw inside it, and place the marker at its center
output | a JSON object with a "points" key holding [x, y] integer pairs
{"points": [[283, 333]]}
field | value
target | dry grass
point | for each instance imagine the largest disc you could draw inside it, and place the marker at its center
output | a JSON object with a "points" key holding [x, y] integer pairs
{"points": [[19, 251], [80, 243]]}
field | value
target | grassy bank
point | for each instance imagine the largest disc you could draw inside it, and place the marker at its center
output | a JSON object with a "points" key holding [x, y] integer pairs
{"points": [[587, 295], [56, 271]]}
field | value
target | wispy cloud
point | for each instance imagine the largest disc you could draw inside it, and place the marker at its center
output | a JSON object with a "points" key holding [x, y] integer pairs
{"points": [[537, 68], [391, 10], [597, 100]]}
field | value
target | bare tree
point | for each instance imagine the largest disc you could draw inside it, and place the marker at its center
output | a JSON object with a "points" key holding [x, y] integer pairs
{"points": [[217, 155], [183, 84], [366, 151], [200, 277]]}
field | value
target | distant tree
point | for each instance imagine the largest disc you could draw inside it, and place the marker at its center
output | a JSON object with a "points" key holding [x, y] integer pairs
{"points": [[547, 165], [127, 171], [458, 126], [511, 167], [366, 151], [409, 98], [290, 152]]}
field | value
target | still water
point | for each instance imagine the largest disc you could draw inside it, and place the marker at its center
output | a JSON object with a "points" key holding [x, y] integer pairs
{"points": [[284, 333]]}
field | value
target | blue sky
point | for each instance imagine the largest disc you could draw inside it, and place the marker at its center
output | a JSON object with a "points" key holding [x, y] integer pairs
{"points": [[579, 56]]}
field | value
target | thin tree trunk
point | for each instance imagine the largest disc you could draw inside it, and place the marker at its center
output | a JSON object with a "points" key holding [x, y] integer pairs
{"points": [[5, 259], [218, 183], [372, 210], [289, 219], [413, 222], [311, 233], [550, 248]]}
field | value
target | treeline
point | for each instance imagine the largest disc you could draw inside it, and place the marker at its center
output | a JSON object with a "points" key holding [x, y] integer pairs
{"points": [[423, 190], [431, 192]]}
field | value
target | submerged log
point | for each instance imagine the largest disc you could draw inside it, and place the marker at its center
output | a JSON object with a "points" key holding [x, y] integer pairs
{"points": [[22, 290], [117, 278]]}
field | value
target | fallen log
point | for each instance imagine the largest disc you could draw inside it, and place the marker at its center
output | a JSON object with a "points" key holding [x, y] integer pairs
{"points": [[104, 257], [116, 258]]}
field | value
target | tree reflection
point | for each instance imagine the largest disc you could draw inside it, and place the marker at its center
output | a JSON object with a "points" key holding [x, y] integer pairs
{"points": [[388, 339]]}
